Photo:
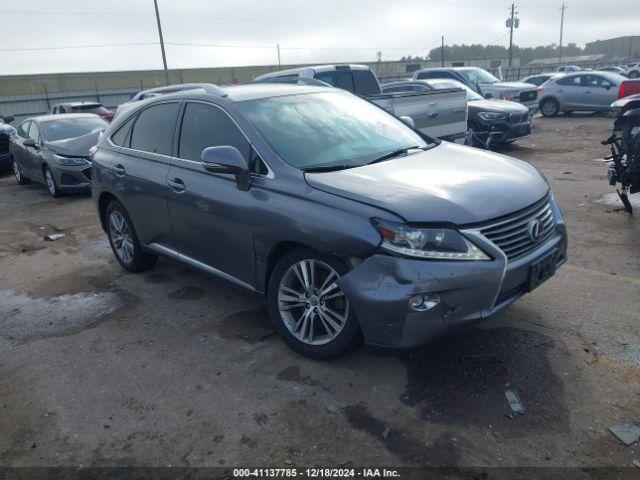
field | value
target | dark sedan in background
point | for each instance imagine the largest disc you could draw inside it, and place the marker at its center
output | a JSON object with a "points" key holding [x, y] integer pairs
{"points": [[505, 120], [6, 132], [82, 107], [54, 150]]}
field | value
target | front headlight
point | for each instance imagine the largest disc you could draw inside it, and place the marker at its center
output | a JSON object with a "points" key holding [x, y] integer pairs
{"points": [[430, 243], [70, 161], [492, 116], [508, 96]]}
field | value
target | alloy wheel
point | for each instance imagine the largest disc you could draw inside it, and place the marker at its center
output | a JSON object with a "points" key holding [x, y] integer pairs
{"points": [[121, 238], [312, 306], [549, 108], [51, 184], [16, 172]]}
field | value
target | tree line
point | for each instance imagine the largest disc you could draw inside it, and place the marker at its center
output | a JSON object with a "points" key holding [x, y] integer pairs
{"points": [[481, 52]]}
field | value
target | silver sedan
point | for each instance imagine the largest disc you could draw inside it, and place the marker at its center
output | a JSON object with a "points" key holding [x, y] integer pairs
{"points": [[581, 91]]}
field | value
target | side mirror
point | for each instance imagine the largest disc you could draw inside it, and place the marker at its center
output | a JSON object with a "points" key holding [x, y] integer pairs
{"points": [[488, 95], [31, 142], [227, 159], [408, 121], [8, 118]]}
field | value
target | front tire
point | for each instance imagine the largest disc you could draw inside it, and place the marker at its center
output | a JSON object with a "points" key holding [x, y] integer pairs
{"points": [[124, 240], [308, 309], [634, 74], [51, 183], [17, 172], [550, 107]]}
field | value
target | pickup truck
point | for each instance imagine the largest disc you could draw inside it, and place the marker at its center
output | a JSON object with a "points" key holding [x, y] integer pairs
{"points": [[485, 84], [438, 114]]}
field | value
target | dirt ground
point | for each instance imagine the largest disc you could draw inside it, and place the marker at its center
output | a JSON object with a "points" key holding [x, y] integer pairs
{"points": [[172, 367]]}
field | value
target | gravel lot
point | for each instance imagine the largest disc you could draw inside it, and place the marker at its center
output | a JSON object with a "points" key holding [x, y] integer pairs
{"points": [[171, 367]]}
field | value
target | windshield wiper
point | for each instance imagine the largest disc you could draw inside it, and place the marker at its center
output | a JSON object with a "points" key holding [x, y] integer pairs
{"points": [[328, 168], [393, 154]]}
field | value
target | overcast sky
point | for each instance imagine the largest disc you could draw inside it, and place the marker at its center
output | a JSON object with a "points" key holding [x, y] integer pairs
{"points": [[208, 33]]}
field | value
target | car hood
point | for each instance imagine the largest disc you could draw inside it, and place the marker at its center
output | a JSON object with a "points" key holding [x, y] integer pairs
{"points": [[449, 183], [75, 147], [509, 86], [501, 106]]}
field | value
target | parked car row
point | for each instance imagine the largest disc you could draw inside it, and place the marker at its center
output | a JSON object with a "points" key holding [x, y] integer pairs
{"points": [[310, 195], [583, 91]]}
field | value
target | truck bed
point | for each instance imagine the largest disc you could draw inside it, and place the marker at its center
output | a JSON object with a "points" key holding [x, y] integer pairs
{"points": [[439, 114]]}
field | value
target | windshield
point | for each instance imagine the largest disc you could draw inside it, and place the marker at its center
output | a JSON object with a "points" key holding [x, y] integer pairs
{"points": [[59, 129], [328, 128], [478, 75], [444, 84]]}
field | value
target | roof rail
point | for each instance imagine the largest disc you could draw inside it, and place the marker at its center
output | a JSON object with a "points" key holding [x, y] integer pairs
{"points": [[292, 81], [180, 87]]}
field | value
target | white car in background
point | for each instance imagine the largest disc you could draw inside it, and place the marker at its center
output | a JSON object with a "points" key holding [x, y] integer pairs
{"points": [[633, 70]]}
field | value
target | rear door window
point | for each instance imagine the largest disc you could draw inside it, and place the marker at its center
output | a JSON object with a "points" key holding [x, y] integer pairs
{"points": [[154, 129], [365, 82], [339, 78]]}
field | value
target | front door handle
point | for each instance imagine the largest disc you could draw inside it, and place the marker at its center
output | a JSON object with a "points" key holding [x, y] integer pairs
{"points": [[176, 185], [118, 170]]}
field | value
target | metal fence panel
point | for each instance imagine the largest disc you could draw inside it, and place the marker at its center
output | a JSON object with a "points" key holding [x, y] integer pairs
{"points": [[23, 106]]}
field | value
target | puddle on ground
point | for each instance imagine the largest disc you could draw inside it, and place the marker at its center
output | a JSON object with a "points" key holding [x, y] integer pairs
{"points": [[613, 200], [462, 380], [249, 325], [24, 318], [443, 451], [187, 293]]}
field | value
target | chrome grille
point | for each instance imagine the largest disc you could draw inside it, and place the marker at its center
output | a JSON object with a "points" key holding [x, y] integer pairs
{"points": [[511, 235], [518, 117]]}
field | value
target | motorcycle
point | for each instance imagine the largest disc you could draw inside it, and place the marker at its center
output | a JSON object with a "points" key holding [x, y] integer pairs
{"points": [[624, 161]]}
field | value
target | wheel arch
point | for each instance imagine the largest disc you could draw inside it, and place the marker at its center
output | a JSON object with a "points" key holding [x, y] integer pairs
{"points": [[278, 251], [103, 202]]}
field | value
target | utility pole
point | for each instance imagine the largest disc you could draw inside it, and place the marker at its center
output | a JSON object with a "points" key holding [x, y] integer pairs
{"points": [[442, 52], [629, 54], [279, 63], [512, 22], [563, 8], [164, 57]]}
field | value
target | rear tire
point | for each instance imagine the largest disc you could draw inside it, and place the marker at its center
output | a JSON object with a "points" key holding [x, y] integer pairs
{"points": [[308, 310], [17, 172], [124, 240], [550, 107]]}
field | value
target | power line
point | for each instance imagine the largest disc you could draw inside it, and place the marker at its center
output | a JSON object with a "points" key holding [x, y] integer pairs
{"points": [[215, 19], [71, 47], [183, 44]]}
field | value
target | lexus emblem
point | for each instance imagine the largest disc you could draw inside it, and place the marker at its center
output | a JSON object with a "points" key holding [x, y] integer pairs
{"points": [[535, 230]]}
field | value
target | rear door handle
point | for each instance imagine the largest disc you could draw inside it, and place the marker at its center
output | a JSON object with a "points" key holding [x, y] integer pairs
{"points": [[176, 185], [118, 170]]}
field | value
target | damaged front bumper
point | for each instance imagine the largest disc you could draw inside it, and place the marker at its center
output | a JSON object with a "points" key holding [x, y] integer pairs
{"points": [[379, 290]]}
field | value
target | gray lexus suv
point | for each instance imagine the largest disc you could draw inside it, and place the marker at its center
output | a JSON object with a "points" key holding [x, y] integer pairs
{"points": [[353, 225]]}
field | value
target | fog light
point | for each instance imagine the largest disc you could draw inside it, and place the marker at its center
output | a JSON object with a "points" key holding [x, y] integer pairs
{"points": [[421, 303]]}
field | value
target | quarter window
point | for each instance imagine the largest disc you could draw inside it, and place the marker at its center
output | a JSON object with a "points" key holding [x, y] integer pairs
{"points": [[154, 128], [23, 130], [122, 137], [34, 132]]}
